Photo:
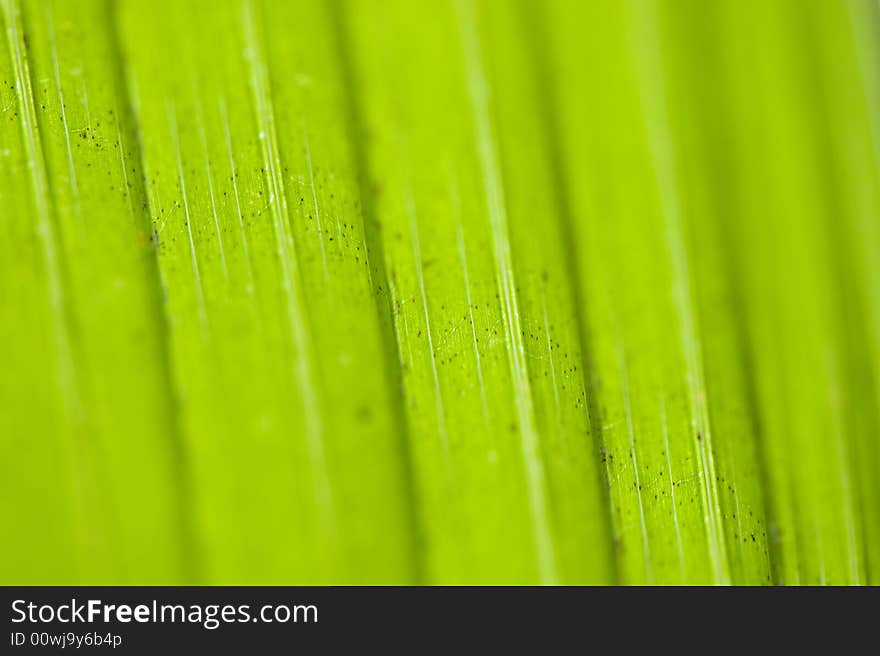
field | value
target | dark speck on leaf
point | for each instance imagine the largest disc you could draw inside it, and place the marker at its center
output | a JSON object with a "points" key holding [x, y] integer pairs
{"points": [[363, 413]]}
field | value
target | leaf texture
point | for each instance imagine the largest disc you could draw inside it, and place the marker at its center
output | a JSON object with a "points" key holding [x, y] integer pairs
{"points": [[337, 291]]}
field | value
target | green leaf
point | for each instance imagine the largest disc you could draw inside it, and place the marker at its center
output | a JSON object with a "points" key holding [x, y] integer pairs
{"points": [[471, 291]]}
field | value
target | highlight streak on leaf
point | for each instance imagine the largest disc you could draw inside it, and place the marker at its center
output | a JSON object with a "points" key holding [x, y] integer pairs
{"points": [[493, 189], [423, 302], [291, 281]]}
